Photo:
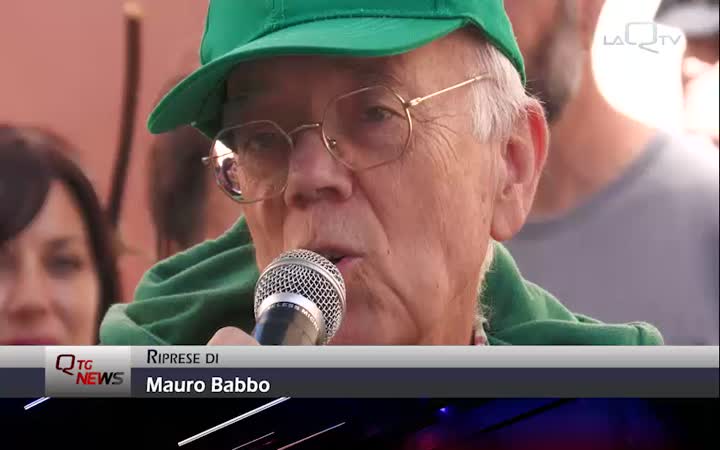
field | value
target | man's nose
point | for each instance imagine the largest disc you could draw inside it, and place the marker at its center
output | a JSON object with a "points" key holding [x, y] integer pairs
{"points": [[314, 174]]}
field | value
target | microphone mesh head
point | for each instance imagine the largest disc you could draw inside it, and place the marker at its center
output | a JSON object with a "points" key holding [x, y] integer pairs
{"points": [[306, 273]]}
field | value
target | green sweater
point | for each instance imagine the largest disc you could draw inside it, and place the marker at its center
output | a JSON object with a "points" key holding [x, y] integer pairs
{"points": [[185, 299]]}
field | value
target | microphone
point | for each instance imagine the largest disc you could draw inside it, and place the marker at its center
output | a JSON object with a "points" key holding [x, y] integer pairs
{"points": [[299, 300]]}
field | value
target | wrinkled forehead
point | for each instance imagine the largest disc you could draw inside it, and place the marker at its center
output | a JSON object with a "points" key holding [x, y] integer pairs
{"points": [[438, 63], [275, 73]]}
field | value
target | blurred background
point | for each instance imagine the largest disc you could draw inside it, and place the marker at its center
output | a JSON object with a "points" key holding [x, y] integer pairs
{"points": [[64, 67], [64, 64]]}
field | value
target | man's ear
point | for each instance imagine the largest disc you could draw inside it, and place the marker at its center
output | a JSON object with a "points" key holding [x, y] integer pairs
{"points": [[520, 165]]}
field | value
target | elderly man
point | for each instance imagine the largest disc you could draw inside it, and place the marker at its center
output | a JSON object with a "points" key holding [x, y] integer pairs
{"points": [[627, 214], [395, 137]]}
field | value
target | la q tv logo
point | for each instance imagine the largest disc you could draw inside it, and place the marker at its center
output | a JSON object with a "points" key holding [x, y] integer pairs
{"points": [[82, 371]]}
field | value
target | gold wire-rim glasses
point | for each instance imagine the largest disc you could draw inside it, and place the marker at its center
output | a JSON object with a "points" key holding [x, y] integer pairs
{"points": [[329, 142]]}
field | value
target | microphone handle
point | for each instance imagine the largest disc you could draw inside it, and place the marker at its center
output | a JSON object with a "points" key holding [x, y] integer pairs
{"points": [[285, 324]]}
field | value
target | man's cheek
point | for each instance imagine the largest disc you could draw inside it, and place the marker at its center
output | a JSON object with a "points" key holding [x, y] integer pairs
{"points": [[267, 248], [263, 242]]}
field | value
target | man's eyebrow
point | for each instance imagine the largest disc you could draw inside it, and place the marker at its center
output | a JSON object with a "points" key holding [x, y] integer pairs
{"points": [[241, 96], [236, 101], [234, 104], [369, 73], [366, 72]]}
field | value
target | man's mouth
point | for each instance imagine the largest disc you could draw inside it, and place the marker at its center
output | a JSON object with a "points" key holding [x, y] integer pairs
{"points": [[339, 257], [334, 258]]}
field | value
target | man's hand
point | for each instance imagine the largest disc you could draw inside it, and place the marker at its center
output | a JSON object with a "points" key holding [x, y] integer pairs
{"points": [[232, 336]]}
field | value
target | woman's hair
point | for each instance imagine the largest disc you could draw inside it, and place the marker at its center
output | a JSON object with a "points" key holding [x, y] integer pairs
{"points": [[178, 189], [178, 185], [30, 160]]}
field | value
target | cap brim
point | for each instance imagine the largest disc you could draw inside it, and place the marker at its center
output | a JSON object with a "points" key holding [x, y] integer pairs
{"points": [[197, 100]]}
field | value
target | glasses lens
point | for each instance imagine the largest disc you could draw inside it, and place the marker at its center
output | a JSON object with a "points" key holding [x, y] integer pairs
{"points": [[251, 161], [367, 128]]}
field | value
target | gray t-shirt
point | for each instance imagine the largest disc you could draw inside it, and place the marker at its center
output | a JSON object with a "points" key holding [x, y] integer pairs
{"points": [[645, 248]]}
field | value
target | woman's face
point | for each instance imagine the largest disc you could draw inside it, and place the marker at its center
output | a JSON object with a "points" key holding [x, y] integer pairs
{"points": [[49, 288]]}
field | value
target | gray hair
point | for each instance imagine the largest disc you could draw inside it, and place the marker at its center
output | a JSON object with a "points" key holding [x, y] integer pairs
{"points": [[499, 103], [482, 312]]}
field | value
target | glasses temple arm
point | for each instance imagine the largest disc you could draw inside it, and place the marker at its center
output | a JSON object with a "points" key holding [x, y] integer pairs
{"points": [[418, 100]]}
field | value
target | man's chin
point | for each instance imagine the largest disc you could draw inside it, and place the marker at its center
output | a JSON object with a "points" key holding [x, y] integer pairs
{"points": [[369, 333], [343, 337], [359, 335], [368, 320]]}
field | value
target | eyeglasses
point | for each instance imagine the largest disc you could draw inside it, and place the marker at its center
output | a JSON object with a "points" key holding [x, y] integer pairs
{"points": [[363, 129]]}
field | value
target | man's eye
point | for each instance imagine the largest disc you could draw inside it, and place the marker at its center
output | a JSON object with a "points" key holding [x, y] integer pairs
{"points": [[377, 114], [264, 139]]}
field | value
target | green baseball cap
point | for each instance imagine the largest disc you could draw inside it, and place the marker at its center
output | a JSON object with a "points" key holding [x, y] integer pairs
{"points": [[243, 30]]}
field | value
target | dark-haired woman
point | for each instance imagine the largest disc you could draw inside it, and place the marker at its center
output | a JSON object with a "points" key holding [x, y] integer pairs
{"points": [[58, 272]]}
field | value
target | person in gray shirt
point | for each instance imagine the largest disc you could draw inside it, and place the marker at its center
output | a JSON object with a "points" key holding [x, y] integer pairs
{"points": [[625, 223]]}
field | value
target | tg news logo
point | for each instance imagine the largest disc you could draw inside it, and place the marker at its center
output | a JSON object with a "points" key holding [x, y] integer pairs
{"points": [[82, 371]]}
